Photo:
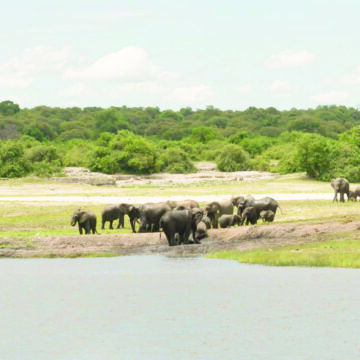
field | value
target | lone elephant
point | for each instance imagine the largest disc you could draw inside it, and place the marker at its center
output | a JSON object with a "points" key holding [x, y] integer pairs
{"points": [[86, 221], [341, 186]]}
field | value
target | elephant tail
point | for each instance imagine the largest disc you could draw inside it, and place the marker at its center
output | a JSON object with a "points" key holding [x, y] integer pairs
{"points": [[280, 209]]}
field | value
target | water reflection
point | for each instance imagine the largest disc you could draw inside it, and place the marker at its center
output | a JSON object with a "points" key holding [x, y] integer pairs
{"points": [[171, 308]]}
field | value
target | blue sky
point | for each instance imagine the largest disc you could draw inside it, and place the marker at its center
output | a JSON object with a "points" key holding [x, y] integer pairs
{"points": [[229, 54]]}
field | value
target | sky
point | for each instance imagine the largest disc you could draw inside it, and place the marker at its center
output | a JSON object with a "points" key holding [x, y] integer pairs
{"points": [[171, 54]]}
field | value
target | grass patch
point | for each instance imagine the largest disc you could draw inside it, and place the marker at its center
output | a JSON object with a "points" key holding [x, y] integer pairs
{"points": [[334, 253]]}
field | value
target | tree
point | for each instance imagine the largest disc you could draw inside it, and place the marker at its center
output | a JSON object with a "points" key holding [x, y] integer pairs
{"points": [[7, 107]]}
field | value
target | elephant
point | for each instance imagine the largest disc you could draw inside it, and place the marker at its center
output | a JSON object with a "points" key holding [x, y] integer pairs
{"points": [[229, 220], [249, 215], [215, 209], [236, 200], [357, 192], [178, 224], [114, 212], [206, 220], [183, 205], [150, 215], [86, 221], [267, 215], [265, 203], [352, 196], [201, 231], [341, 186]]}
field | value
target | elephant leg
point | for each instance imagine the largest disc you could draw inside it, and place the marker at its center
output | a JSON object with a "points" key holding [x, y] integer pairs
{"points": [[80, 229], [87, 228], [111, 224], [121, 221], [132, 223], [335, 197], [103, 224], [342, 197], [169, 236]]}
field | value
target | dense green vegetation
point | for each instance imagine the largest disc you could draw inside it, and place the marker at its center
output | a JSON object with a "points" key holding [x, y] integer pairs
{"points": [[324, 142]]}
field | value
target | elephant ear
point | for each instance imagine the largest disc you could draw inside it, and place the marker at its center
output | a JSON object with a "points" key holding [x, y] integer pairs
{"points": [[83, 216], [215, 206]]}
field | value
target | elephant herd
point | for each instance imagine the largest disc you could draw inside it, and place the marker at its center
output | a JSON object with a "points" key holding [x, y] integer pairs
{"points": [[342, 186], [180, 219]]}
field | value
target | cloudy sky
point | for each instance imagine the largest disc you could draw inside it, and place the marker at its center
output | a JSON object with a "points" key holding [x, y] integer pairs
{"points": [[231, 53]]}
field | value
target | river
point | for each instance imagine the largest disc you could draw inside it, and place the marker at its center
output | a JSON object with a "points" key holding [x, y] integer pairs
{"points": [[153, 307]]}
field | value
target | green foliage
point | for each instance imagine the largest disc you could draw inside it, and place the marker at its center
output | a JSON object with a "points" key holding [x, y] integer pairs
{"points": [[7, 107], [125, 152], [175, 160], [12, 161], [233, 158], [44, 160]]}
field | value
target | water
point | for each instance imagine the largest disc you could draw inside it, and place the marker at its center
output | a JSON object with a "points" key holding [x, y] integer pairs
{"points": [[165, 308]]}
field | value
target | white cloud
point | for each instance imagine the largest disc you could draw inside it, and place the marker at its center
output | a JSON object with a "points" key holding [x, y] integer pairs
{"points": [[330, 97], [127, 65], [290, 58], [192, 94], [243, 90], [20, 71], [280, 88]]}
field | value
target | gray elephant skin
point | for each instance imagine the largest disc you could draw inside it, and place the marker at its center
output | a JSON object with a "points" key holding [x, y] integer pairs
{"points": [[265, 203], [183, 204], [150, 215], [229, 220], [215, 209], [86, 221], [179, 224], [341, 186], [267, 216], [237, 200], [114, 212], [201, 231], [249, 215]]}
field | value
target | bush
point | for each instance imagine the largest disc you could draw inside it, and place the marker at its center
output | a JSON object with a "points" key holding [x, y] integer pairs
{"points": [[44, 160], [233, 158], [12, 161], [175, 160], [126, 152]]}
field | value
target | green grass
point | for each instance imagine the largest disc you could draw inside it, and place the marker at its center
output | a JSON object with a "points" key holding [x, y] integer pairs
{"points": [[334, 253]]}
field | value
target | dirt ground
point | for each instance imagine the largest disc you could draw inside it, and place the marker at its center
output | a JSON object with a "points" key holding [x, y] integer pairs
{"points": [[238, 238]]}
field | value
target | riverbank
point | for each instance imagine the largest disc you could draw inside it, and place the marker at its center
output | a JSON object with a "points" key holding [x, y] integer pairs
{"points": [[233, 243]]}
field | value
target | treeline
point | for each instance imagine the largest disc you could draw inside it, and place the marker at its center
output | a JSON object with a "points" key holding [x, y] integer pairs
{"points": [[324, 141]]}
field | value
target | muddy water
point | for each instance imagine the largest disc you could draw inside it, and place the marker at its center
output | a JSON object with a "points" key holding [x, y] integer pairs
{"points": [[170, 308]]}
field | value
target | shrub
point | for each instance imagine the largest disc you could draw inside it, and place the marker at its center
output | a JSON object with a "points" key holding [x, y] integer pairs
{"points": [[175, 160], [233, 158], [12, 161]]}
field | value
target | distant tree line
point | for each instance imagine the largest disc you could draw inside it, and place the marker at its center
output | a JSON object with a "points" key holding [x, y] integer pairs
{"points": [[324, 142]]}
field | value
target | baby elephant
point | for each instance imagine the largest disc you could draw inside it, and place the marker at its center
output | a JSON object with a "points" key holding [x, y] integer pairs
{"points": [[250, 216], [352, 196], [267, 215], [86, 221], [201, 231], [229, 220]]}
